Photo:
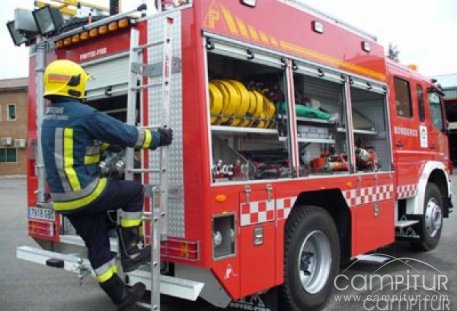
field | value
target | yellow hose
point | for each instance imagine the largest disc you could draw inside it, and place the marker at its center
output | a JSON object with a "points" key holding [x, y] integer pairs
{"points": [[252, 109], [269, 109], [258, 114], [231, 99], [216, 102], [242, 105]]}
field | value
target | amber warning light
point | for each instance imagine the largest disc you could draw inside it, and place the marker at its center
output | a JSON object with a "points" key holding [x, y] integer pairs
{"points": [[93, 33]]}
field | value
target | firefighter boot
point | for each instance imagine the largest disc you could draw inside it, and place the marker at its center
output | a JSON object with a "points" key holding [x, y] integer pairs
{"points": [[121, 295], [131, 255]]}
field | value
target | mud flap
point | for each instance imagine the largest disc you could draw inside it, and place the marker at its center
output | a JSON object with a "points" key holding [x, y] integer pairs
{"points": [[448, 206], [257, 302]]}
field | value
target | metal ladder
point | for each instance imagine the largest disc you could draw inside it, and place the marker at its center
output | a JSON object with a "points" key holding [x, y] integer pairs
{"points": [[138, 72]]}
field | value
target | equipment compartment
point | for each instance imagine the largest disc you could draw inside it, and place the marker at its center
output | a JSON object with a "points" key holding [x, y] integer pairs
{"points": [[320, 108], [371, 137], [249, 118], [243, 95]]}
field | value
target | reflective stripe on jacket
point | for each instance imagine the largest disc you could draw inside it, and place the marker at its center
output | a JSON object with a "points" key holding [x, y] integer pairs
{"points": [[72, 137]]}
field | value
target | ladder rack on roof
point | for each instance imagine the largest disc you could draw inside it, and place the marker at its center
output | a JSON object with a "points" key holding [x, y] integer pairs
{"points": [[75, 4], [306, 8]]}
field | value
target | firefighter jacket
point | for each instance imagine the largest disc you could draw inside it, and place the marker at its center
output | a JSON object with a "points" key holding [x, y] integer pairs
{"points": [[71, 138]]}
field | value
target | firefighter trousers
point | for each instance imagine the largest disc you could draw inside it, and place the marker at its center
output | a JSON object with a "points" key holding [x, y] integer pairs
{"points": [[92, 222]]}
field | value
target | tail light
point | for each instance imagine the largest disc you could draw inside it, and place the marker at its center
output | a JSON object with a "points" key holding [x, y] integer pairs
{"points": [[38, 227], [181, 249]]}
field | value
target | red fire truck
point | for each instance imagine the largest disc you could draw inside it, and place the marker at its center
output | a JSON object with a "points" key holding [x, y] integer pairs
{"points": [[298, 146]]}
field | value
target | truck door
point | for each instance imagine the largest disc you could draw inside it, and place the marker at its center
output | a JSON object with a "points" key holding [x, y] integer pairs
{"points": [[437, 139], [406, 133]]}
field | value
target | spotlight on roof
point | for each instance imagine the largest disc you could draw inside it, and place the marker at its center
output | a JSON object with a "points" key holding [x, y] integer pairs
{"points": [[18, 37], [48, 20]]}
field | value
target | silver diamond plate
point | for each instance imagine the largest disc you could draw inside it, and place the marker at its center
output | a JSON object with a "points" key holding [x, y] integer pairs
{"points": [[67, 226], [156, 28]]}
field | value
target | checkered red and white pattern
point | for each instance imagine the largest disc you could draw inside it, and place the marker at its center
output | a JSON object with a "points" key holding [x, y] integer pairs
{"points": [[263, 211], [406, 191], [368, 195], [283, 207], [257, 212]]}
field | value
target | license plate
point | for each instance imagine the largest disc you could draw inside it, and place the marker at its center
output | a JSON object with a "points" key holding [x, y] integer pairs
{"points": [[42, 213]]}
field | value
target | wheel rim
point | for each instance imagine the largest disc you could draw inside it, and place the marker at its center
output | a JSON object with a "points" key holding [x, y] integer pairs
{"points": [[314, 262], [433, 217]]}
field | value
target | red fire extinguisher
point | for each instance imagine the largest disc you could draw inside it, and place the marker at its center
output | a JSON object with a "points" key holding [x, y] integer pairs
{"points": [[366, 159]]}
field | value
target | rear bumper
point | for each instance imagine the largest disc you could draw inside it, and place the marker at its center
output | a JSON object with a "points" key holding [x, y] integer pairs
{"points": [[172, 286]]}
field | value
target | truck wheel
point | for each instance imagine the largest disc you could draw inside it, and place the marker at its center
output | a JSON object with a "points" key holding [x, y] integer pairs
{"points": [[311, 259], [432, 220]]}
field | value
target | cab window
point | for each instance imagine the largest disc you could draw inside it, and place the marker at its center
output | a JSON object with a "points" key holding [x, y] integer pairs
{"points": [[402, 98], [435, 110], [420, 102]]}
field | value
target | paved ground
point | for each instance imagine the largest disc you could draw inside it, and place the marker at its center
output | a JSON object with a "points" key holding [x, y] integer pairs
{"points": [[26, 286]]}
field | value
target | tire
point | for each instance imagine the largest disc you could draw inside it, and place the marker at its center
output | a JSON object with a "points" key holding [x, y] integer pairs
{"points": [[311, 259], [431, 221]]}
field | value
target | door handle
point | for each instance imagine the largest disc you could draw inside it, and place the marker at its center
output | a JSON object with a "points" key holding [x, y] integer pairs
{"points": [[433, 146], [399, 144]]}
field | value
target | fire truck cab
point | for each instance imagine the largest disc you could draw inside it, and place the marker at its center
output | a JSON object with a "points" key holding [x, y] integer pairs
{"points": [[298, 146]]}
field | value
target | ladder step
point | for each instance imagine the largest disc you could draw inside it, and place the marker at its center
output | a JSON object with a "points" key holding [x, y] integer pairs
{"points": [[156, 69], [373, 258], [147, 216], [47, 205], [151, 126], [405, 223], [146, 86], [145, 170], [148, 45]]}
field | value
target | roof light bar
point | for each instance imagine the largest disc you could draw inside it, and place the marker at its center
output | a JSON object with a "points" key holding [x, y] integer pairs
{"points": [[93, 33]]}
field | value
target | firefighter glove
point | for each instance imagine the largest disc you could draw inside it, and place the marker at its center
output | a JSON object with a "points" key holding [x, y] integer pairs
{"points": [[166, 136]]}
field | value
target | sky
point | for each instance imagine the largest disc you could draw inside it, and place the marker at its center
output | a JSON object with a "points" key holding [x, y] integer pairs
{"points": [[424, 31]]}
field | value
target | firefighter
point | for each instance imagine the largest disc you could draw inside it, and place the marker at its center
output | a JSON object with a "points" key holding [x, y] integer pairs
{"points": [[72, 138]]}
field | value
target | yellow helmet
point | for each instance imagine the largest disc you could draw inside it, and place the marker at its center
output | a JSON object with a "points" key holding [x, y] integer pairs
{"points": [[65, 78]]}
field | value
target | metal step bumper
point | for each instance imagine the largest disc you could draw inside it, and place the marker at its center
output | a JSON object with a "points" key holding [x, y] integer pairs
{"points": [[171, 286]]}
